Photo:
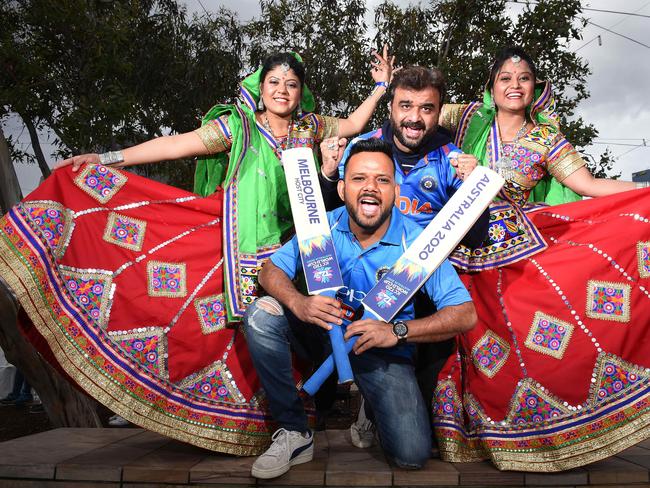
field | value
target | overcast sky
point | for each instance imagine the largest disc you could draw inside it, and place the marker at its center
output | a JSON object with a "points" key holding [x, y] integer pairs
{"points": [[619, 104]]}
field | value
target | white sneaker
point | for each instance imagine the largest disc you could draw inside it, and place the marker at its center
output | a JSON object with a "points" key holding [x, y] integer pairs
{"points": [[118, 421], [362, 431], [288, 448]]}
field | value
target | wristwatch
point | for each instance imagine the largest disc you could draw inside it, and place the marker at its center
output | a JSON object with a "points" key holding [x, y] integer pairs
{"points": [[401, 331]]}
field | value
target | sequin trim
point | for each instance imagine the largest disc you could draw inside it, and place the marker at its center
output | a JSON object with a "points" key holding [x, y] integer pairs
{"points": [[643, 257]]}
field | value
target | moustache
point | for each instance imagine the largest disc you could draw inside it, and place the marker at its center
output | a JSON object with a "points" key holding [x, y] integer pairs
{"points": [[367, 194], [413, 125]]}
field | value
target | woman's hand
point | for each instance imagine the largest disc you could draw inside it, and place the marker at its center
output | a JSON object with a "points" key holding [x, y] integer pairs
{"points": [[332, 150], [77, 161], [382, 66]]}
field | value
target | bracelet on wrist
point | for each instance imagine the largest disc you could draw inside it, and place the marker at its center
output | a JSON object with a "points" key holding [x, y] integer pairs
{"points": [[111, 157], [327, 178], [379, 85]]}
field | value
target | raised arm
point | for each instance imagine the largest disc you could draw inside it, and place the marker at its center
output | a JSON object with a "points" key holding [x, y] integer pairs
{"points": [[382, 70]]}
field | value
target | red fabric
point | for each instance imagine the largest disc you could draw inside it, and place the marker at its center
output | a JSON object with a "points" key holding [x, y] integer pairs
{"points": [[599, 244]]}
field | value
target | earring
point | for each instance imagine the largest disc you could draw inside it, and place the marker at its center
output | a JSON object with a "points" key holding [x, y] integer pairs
{"points": [[260, 104], [299, 109]]}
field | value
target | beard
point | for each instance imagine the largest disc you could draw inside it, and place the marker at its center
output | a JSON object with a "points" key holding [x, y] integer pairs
{"points": [[368, 224], [412, 144]]}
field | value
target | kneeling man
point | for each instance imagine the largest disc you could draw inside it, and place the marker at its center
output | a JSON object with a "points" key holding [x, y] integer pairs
{"points": [[369, 234]]}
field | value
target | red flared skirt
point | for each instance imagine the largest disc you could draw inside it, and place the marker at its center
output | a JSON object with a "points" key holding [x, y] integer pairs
{"points": [[556, 373], [123, 278]]}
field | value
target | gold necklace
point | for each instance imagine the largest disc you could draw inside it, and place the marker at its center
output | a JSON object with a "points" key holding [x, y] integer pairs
{"points": [[504, 164]]}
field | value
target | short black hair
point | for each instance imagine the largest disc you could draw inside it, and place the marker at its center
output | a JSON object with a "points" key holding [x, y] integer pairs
{"points": [[418, 78], [506, 54], [279, 59], [372, 144]]}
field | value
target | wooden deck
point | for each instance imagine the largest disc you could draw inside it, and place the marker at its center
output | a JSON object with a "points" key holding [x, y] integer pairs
{"points": [[132, 457]]}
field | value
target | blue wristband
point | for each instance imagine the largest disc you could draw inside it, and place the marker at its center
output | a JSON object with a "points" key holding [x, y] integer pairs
{"points": [[382, 83]]}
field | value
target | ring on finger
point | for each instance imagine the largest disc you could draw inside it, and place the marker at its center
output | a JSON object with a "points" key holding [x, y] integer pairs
{"points": [[331, 146]]}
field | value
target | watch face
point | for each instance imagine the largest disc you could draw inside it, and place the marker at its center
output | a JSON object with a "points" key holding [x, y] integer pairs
{"points": [[400, 329]]}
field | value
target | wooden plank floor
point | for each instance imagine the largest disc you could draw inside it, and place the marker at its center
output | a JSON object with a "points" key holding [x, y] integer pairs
{"points": [[136, 458]]}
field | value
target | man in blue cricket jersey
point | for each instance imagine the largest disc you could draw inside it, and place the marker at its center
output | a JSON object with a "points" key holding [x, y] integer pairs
{"points": [[369, 235], [429, 170]]}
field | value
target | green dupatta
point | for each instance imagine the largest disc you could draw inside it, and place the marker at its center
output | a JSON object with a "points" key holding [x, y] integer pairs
{"points": [[256, 213], [542, 112]]}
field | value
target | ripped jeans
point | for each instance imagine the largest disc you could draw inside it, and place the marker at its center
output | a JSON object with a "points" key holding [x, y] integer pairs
{"points": [[387, 382]]}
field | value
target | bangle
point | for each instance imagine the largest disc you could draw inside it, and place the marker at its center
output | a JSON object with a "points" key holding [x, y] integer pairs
{"points": [[382, 83], [328, 179], [643, 184], [111, 157]]}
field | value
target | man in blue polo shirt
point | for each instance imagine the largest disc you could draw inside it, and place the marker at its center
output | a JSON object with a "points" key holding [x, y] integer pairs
{"points": [[369, 235]]}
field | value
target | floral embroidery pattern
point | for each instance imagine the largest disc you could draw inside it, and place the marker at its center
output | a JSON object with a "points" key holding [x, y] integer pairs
{"points": [[212, 313], [608, 300], [532, 404], [166, 279], [214, 383], [91, 291], [54, 222], [100, 182], [490, 353], [148, 348], [549, 335], [125, 231]]}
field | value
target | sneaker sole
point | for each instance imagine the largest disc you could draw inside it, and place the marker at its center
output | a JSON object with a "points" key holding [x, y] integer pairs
{"points": [[267, 474]]}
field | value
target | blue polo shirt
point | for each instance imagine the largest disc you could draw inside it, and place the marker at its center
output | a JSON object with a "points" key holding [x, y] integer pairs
{"points": [[426, 188], [362, 268]]}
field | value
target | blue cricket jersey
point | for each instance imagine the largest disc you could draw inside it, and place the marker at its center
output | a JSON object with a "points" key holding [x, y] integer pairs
{"points": [[362, 268], [427, 187]]}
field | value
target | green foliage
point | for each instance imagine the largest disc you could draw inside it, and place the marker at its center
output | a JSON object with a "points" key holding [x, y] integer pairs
{"points": [[108, 74], [330, 37], [104, 75]]}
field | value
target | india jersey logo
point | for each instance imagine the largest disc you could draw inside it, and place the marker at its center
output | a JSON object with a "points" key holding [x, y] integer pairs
{"points": [[428, 183]]}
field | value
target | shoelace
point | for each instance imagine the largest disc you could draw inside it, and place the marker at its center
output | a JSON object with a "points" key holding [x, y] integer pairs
{"points": [[278, 446]]}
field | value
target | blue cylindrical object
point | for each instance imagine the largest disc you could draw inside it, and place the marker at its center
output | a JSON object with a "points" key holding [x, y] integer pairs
{"points": [[313, 384], [341, 358]]}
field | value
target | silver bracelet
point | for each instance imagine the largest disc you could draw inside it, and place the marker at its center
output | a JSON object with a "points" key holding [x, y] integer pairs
{"points": [[328, 179], [639, 184], [111, 157]]}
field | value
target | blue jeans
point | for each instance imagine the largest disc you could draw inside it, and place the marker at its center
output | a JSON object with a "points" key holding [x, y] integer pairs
{"points": [[387, 382]]}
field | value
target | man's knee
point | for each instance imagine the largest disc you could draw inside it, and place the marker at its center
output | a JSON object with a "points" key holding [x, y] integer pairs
{"points": [[412, 456], [269, 305], [261, 311], [265, 321]]}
